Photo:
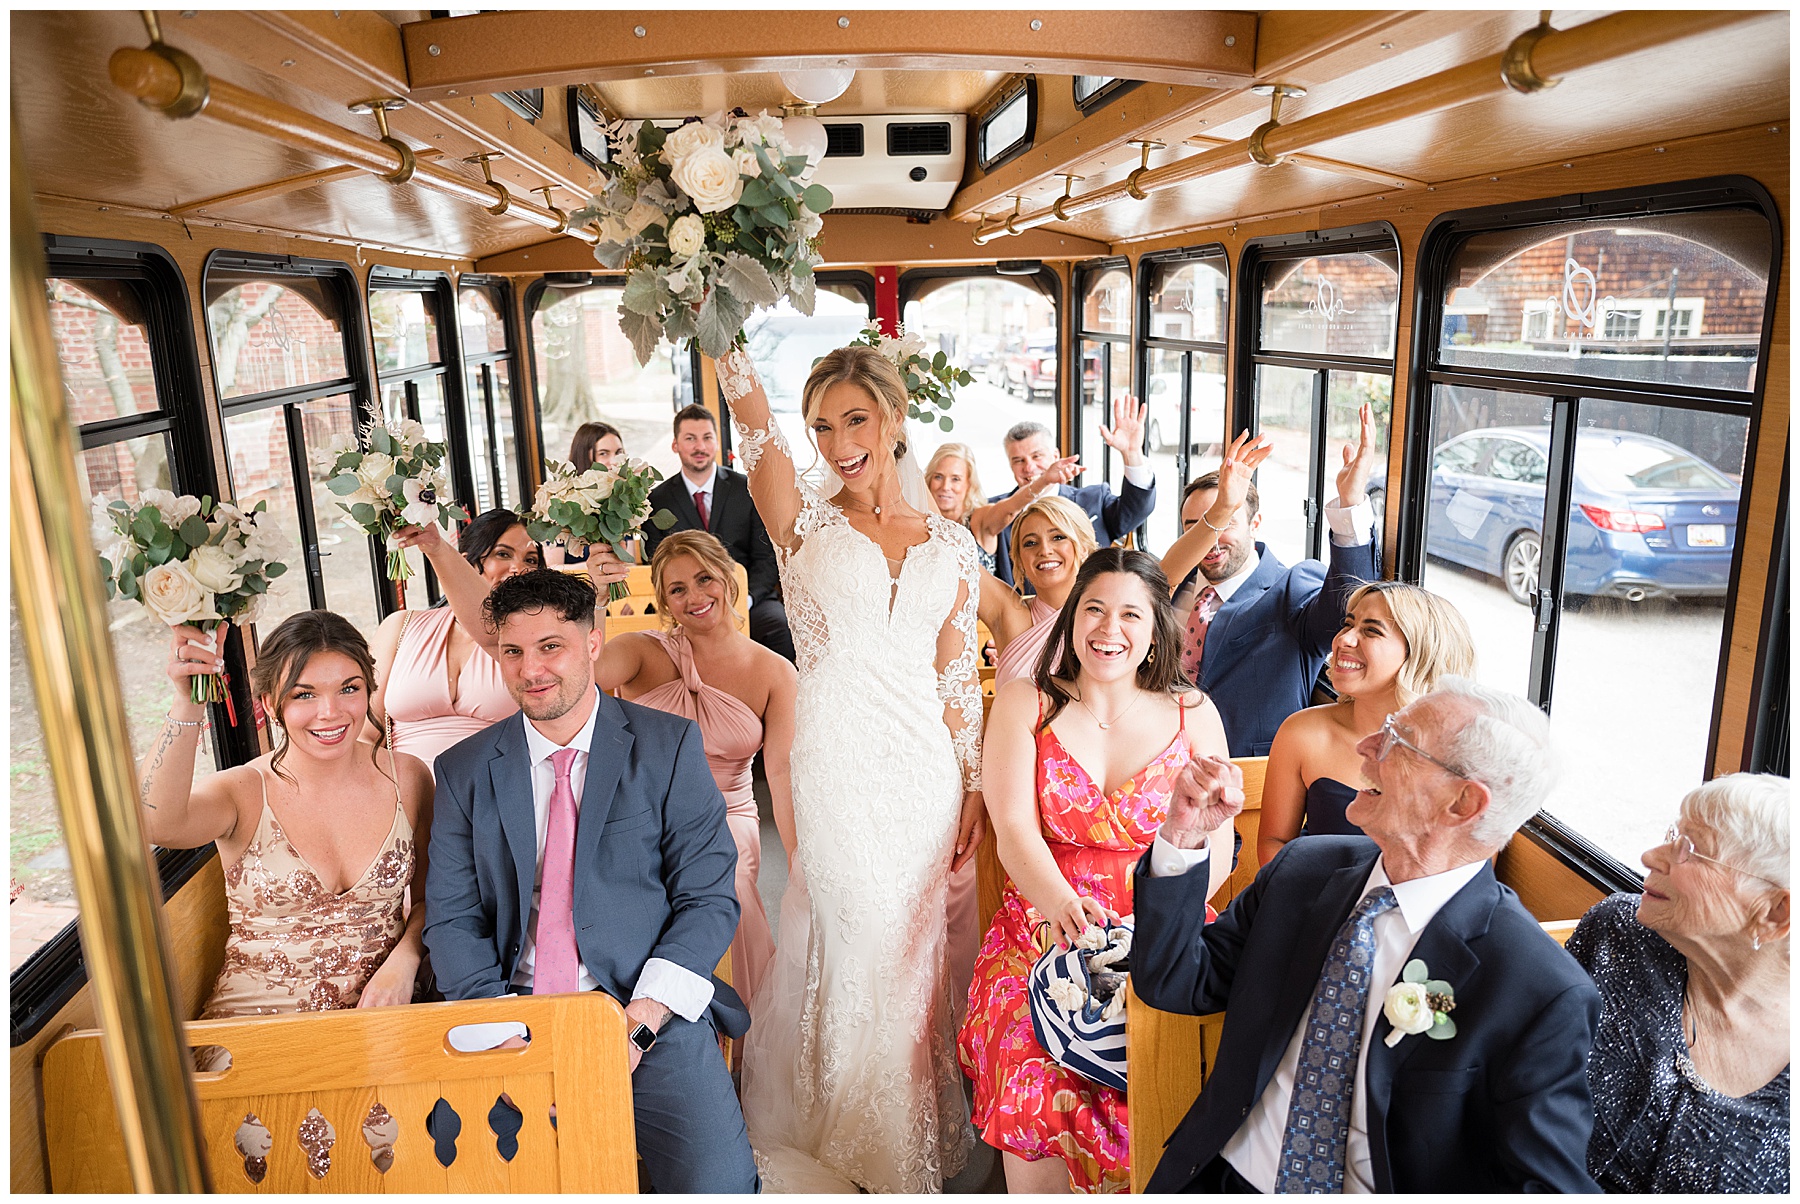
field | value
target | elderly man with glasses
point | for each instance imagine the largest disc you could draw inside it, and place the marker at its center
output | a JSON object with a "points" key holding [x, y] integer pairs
{"points": [[1395, 1020]]}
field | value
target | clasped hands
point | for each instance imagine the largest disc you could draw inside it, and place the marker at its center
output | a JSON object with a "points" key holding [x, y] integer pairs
{"points": [[1209, 791]]}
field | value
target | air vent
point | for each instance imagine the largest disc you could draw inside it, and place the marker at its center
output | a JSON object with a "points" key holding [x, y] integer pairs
{"points": [[844, 141], [930, 138]]}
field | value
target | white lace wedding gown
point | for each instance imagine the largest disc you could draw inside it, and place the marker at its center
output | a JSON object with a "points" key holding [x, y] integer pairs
{"points": [[850, 1076]]}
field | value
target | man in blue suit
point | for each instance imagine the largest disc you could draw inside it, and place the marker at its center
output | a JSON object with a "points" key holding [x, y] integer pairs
{"points": [[1395, 1020], [581, 845], [1031, 449], [1257, 631]]}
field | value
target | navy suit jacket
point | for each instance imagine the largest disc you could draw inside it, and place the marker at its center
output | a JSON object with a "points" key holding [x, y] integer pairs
{"points": [[1503, 1106], [1114, 515], [1266, 645], [655, 864], [733, 519]]}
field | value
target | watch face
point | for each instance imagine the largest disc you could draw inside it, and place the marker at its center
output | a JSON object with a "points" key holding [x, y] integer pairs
{"points": [[643, 1037]]}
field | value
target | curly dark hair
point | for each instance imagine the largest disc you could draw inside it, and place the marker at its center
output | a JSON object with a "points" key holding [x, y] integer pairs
{"points": [[569, 596], [1159, 672]]}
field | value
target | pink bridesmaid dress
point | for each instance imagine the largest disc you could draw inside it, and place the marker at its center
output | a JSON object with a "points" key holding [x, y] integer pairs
{"points": [[426, 720], [1021, 656], [732, 733]]}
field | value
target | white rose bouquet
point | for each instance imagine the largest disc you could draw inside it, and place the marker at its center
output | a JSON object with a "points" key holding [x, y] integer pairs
{"points": [[709, 222], [929, 378], [188, 561], [395, 483], [597, 506]]}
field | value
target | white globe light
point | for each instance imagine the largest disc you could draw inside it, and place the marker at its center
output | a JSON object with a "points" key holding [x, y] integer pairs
{"points": [[820, 86], [807, 136]]}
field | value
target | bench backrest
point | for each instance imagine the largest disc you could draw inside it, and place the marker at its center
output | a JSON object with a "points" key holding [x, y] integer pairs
{"points": [[343, 1064]]}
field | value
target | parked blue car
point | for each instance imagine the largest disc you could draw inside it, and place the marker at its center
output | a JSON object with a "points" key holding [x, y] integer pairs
{"points": [[1649, 519]]}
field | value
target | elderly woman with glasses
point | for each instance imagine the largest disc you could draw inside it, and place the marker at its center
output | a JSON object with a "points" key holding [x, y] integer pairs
{"points": [[1690, 1066]]}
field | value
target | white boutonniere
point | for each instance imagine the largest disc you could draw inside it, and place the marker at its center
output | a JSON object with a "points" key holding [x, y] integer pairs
{"points": [[1419, 1003]]}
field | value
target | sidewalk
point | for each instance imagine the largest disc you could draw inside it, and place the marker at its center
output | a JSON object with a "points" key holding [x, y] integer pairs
{"points": [[34, 923]]}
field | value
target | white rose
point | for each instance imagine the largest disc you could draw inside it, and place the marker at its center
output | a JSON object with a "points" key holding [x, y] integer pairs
{"points": [[810, 223], [411, 433], [642, 215], [214, 569], [598, 484], [746, 163], [687, 236], [690, 138], [1408, 1010], [174, 597], [261, 543], [251, 610], [375, 469], [710, 178]]}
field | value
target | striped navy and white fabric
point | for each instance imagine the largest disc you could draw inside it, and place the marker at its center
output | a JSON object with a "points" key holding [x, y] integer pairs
{"points": [[1077, 1001]]}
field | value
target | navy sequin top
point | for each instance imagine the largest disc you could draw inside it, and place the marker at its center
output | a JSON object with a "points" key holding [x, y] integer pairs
{"points": [[1658, 1126]]}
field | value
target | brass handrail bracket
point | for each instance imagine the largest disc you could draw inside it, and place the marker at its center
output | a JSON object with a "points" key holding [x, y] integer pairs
{"points": [[1069, 182], [1259, 154], [562, 217], [1133, 185], [191, 98], [381, 106], [1515, 64], [487, 173]]}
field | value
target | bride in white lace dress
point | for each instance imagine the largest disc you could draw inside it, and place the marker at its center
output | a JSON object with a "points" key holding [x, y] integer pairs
{"points": [[850, 1076]]}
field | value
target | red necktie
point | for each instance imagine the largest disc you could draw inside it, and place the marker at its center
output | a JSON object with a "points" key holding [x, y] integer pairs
{"points": [[700, 505], [556, 968], [1193, 647]]}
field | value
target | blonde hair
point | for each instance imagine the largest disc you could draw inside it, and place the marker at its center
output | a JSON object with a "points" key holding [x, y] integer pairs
{"points": [[972, 498], [1438, 643], [868, 370], [1066, 517], [704, 547]]}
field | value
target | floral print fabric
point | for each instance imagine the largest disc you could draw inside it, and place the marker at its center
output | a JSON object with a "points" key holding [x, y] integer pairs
{"points": [[1025, 1103]]}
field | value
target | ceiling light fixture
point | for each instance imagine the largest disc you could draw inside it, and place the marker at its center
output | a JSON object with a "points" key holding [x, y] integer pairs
{"points": [[819, 86]]}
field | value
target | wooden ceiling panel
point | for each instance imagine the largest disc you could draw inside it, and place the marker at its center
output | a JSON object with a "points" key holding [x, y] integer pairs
{"points": [[1215, 199], [869, 92]]}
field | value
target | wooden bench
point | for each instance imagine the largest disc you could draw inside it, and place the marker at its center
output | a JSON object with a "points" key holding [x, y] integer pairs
{"points": [[341, 1065]]}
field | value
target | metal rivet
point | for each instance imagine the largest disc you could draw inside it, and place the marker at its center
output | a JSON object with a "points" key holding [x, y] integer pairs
{"points": [[638, 30], [1774, 129], [1568, 165], [1231, 39], [1431, 188], [188, 12], [1494, 179], [1212, 79], [843, 22], [1036, 25], [649, 70], [1387, 45], [434, 50], [846, 63], [287, 62], [1661, 149], [1030, 66], [453, 93]]}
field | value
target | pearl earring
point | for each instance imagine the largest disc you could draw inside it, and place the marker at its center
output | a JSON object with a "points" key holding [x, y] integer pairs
{"points": [[1755, 942]]}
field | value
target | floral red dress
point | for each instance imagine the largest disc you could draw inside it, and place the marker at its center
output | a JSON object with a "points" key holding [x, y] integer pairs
{"points": [[1025, 1103]]}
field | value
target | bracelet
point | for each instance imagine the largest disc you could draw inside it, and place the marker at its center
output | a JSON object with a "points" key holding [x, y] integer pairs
{"points": [[1210, 527], [184, 722]]}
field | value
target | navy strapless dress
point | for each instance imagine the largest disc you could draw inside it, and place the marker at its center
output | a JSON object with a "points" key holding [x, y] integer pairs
{"points": [[1326, 801]]}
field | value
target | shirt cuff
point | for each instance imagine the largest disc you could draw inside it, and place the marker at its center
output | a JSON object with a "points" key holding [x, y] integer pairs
{"points": [[1351, 526], [675, 987], [1167, 861], [1141, 475]]}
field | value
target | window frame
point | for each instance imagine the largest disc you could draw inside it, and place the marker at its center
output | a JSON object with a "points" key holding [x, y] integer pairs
{"points": [[1101, 96], [1082, 278], [1437, 248], [1008, 94], [498, 291], [1247, 354], [337, 277], [1187, 348], [45, 981]]}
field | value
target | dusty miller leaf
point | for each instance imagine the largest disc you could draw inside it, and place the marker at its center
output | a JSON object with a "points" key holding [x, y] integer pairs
{"points": [[721, 317], [643, 331], [748, 279], [644, 293]]}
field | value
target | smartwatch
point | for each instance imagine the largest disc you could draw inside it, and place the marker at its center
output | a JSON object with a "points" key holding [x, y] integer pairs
{"points": [[642, 1036]]}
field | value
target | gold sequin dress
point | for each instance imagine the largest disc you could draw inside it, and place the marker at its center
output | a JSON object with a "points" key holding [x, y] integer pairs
{"points": [[293, 946]]}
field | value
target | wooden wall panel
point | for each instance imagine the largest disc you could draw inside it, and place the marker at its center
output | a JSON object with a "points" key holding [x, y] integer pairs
{"points": [[1549, 890], [195, 919]]}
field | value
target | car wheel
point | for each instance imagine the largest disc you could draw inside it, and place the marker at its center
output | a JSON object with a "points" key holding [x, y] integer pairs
{"points": [[1378, 503], [1519, 567], [1156, 439]]}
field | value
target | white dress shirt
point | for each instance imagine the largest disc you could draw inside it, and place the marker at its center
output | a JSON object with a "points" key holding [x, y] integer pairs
{"points": [[1255, 1149], [1351, 527], [705, 488], [674, 986]]}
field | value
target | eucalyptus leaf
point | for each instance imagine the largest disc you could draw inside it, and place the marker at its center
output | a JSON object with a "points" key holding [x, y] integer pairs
{"points": [[650, 138], [363, 513], [143, 527], [775, 215], [756, 194], [662, 520], [945, 423], [1443, 1030], [381, 441], [817, 197], [1437, 986], [1415, 971], [396, 485], [128, 582]]}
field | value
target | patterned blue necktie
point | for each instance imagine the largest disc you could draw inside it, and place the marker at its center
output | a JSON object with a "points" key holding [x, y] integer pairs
{"points": [[1318, 1121]]}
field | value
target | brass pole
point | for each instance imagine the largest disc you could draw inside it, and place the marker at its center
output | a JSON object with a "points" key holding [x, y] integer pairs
{"points": [[62, 617], [1555, 54]]}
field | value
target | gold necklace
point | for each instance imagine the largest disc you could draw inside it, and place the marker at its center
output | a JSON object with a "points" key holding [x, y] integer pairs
{"points": [[1106, 725]]}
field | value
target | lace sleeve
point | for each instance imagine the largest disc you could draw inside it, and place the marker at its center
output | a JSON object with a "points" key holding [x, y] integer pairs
{"points": [[959, 682], [768, 463]]}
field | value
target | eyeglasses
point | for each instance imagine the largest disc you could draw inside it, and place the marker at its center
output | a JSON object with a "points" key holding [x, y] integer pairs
{"points": [[1684, 850], [1391, 736]]}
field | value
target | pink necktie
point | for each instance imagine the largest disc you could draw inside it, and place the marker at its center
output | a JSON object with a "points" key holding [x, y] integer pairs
{"points": [[700, 505], [1194, 645], [556, 968]]}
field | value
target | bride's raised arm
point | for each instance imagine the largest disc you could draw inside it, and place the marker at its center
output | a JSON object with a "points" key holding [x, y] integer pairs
{"points": [[774, 485]]}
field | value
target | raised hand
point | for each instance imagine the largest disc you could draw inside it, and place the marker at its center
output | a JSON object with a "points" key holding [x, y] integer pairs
{"points": [[1126, 434], [1209, 791], [605, 567], [195, 653], [1353, 477], [1062, 472], [1235, 473], [427, 539]]}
